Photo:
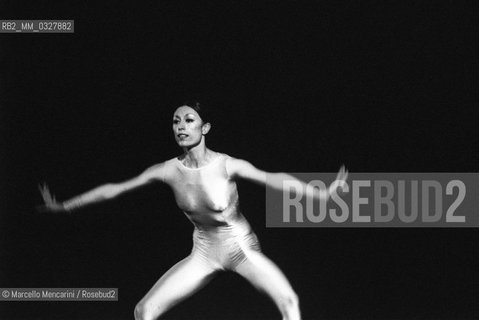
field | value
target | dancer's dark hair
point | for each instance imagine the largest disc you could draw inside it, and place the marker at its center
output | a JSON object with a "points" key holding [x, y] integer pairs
{"points": [[200, 109]]}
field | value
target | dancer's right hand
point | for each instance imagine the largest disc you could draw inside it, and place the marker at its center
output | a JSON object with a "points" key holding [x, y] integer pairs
{"points": [[51, 204]]}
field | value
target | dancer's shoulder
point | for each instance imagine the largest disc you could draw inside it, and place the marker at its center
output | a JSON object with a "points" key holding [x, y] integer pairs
{"points": [[224, 155], [164, 169], [171, 162], [233, 160], [236, 166]]}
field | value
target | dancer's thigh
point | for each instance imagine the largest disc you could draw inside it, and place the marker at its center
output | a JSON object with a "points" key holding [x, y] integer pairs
{"points": [[181, 281], [265, 275]]}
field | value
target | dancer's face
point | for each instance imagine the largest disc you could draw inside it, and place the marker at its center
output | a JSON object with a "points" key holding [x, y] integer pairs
{"points": [[188, 127]]}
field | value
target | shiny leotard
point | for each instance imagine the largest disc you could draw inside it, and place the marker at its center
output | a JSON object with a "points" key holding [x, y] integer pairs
{"points": [[222, 240], [209, 198]]}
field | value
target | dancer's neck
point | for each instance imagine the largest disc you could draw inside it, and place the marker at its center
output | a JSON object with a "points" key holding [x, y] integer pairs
{"points": [[197, 156]]}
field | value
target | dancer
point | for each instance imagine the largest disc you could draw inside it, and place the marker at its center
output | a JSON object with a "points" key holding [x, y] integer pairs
{"points": [[203, 183]]}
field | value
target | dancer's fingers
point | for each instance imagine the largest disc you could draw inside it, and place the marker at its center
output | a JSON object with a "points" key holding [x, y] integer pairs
{"points": [[46, 195], [343, 173], [42, 192]]}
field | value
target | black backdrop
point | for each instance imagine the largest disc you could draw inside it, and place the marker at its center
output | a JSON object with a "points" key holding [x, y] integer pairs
{"points": [[382, 86]]}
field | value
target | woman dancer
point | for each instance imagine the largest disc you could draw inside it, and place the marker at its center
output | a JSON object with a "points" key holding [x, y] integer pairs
{"points": [[203, 182]]}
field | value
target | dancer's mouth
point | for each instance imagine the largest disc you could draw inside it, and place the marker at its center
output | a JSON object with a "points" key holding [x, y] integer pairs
{"points": [[182, 135]]}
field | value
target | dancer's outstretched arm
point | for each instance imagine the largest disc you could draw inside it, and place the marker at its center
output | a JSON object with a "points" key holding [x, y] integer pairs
{"points": [[244, 169], [101, 193]]}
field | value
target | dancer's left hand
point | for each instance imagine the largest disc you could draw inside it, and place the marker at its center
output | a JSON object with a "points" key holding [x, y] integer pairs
{"points": [[50, 203], [340, 181]]}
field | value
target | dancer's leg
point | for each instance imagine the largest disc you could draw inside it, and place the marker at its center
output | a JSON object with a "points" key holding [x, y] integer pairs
{"points": [[181, 281], [262, 273]]}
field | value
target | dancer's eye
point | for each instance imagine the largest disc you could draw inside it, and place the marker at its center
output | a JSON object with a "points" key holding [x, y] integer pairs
{"points": [[190, 120], [176, 121]]}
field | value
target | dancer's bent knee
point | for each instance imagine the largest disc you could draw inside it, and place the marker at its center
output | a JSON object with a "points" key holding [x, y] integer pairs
{"points": [[288, 301], [288, 305], [146, 311]]}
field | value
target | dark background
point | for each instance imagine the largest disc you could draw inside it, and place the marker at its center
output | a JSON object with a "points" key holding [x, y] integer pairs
{"points": [[296, 87]]}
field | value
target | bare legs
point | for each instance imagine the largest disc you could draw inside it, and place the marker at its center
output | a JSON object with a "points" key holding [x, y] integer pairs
{"points": [[191, 274]]}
